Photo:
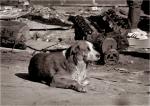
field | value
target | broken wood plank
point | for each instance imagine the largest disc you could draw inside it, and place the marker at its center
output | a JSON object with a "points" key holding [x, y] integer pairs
{"points": [[136, 43], [37, 26]]}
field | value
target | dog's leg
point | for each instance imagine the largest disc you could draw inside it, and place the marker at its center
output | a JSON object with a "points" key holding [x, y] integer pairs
{"points": [[67, 83], [85, 82]]}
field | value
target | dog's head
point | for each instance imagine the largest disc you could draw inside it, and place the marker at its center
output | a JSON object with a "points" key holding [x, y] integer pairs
{"points": [[82, 51]]}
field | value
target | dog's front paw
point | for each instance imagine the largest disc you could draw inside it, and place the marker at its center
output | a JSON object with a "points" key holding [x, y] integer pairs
{"points": [[82, 89], [78, 87]]}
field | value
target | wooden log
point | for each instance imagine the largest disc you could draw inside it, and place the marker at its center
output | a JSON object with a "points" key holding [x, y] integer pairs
{"points": [[109, 43]]}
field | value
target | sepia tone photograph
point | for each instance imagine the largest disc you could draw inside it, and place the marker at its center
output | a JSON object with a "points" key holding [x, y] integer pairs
{"points": [[74, 53]]}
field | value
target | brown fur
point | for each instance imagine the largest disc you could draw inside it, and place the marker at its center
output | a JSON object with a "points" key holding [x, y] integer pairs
{"points": [[65, 69]]}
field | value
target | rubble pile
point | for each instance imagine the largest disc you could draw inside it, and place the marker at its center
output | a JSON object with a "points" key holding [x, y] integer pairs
{"points": [[99, 29], [41, 11], [14, 34], [82, 28], [111, 16], [47, 15]]}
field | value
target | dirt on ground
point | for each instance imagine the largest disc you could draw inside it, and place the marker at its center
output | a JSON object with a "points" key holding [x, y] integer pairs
{"points": [[126, 83]]}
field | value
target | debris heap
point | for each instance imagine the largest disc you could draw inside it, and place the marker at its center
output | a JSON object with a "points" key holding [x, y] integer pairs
{"points": [[13, 34], [47, 15], [106, 31]]}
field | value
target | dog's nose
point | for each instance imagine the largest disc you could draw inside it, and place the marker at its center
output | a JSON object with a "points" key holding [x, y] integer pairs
{"points": [[98, 55]]}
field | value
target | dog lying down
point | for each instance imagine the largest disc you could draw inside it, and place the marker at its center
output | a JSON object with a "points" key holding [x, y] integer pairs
{"points": [[66, 69]]}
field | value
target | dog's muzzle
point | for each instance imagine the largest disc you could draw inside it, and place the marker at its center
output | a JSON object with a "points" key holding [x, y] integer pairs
{"points": [[93, 56]]}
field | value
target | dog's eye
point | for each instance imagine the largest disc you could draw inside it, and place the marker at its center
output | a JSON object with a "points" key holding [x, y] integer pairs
{"points": [[88, 49]]}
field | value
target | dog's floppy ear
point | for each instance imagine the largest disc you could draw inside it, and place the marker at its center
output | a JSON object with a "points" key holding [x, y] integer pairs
{"points": [[72, 50], [75, 49], [71, 53], [75, 60]]}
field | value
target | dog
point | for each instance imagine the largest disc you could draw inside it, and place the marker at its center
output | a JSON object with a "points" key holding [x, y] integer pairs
{"points": [[66, 69]]}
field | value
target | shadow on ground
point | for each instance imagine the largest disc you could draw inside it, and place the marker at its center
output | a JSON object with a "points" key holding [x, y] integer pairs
{"points": [[24, 76], [136, 54]]}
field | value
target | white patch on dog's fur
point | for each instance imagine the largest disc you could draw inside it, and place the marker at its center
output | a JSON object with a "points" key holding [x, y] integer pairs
{"points": [[79, 73], [64, 53], [92, 54]]}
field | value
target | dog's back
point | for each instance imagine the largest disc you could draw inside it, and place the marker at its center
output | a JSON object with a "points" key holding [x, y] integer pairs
{"points": [[43, 66], [36, 66]]}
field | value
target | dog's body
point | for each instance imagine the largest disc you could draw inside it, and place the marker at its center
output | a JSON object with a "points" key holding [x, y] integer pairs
{"points": [[65, 69]]}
